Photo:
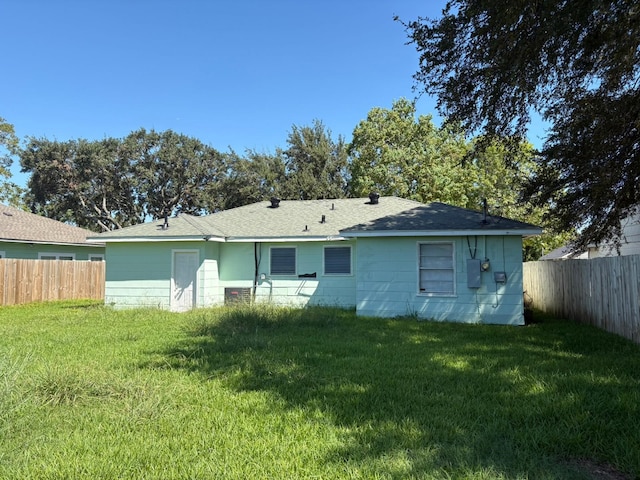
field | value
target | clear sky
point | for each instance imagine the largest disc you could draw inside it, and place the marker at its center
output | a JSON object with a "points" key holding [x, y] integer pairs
{"points": [[233, 73]]}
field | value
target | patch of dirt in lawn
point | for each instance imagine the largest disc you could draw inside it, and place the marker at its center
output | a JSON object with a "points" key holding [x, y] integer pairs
{"points": [[598, 471]]}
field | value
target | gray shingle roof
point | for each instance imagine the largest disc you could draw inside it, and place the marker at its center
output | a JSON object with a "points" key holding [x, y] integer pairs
{"points": [[318, 219], [440, 217], [19, 226], [179, 228]]}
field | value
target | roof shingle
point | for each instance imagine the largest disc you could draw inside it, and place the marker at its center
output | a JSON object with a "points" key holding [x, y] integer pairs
{"points": [[18, 225], [316, 219]]}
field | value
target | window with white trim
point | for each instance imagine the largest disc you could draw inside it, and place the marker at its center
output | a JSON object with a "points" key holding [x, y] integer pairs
{"points": [[436, 268], [337, 260], [96, 257], [283, 260], [2, 254], [56, 256]]}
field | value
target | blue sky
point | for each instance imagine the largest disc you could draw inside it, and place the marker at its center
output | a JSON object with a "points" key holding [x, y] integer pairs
{"points": [[235, 74]]}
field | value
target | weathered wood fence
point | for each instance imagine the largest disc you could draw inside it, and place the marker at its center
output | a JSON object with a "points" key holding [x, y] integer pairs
{"points": [[603, 292], [25, 281]]}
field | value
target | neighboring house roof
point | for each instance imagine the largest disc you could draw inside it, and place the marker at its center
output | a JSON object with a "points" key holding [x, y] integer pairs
{"points": [[563, 253], [308, 220], [19, 226]]}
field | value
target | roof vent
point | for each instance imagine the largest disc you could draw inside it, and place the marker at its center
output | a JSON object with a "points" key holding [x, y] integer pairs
{"points": [[373, 198], [484, 211], [275, 202]]}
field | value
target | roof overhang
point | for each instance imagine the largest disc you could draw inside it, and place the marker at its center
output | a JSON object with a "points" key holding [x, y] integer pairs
{"points": [[204, 238], [199, 238], [345, 235], [43, 242], [441, 233], [317, 238]]}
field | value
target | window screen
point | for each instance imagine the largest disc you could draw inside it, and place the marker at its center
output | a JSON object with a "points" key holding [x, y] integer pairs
{"points": [[283, 261], [337, 260], [437, 274]]}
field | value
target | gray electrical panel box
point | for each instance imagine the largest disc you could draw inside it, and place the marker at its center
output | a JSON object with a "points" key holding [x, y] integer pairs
{"points": [[474, 279], [500, 277]]}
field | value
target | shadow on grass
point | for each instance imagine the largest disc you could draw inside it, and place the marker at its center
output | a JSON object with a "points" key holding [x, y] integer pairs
{"points": [[434, 399]]}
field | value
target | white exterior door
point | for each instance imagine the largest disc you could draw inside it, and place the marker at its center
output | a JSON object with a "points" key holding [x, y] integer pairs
{"points": [[183, 280]]}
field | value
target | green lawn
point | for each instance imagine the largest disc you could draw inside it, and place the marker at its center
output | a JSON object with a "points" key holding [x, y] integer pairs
{"points": [[87, 392]]}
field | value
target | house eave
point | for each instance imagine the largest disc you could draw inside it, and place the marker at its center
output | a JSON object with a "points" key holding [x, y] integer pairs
{"points": [[199, 238], [439, 233], [45, 242], [285, 239]]}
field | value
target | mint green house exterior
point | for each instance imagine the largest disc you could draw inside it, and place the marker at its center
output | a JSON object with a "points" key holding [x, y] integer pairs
{"points": [[28, 236], [385, 257]]}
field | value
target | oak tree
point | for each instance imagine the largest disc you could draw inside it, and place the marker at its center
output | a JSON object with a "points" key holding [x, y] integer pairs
{"points": [[315, 164], [492, 64], [87, 183], [171, 170], [395, 153], [9, 144]]}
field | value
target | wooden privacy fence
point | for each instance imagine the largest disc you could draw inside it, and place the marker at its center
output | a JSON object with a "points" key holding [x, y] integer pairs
{"points": [[602, 292], [25, 281]]}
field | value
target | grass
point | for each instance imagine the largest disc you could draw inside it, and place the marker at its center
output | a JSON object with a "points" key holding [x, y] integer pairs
{"points": [[87, 392]]}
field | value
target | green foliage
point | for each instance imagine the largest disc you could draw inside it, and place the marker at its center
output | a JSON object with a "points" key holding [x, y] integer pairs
{"points": [[108, 184], [253, 178], [577, 64], [88, 183], [172, 171], [315, 164], [9, 192], [395, 154], [113, 183], [266, 392]]}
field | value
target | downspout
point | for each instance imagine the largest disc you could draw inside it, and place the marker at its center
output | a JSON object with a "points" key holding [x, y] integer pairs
{"points": [[256, 261]]}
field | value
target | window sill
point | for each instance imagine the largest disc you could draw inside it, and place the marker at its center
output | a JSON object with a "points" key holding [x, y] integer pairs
{"points": [[441, 295]]}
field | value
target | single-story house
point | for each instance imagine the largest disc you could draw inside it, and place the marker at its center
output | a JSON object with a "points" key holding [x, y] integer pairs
{"points": [[30, 236], [383, 256]]}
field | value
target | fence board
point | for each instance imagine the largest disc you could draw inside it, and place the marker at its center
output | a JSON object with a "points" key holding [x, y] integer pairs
{"points": [[603, 292], [24, 281]]}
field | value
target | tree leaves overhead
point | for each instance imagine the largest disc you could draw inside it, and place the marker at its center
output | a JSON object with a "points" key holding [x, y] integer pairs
{"points": [[112, 183], [86, 183], [249, 179], [492, 63], [315, 164], [9, 191], [171, 170], [109, 184], [394, 153]]}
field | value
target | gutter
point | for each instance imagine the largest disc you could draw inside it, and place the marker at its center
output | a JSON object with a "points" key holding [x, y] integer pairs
{"points": [[439, 233], [88, 243]]}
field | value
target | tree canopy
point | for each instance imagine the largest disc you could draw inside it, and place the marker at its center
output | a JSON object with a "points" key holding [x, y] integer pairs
{"points": [[493, 64], [112, 183], [398, 153], [395, 153], [315, 164], [9, 145]]}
